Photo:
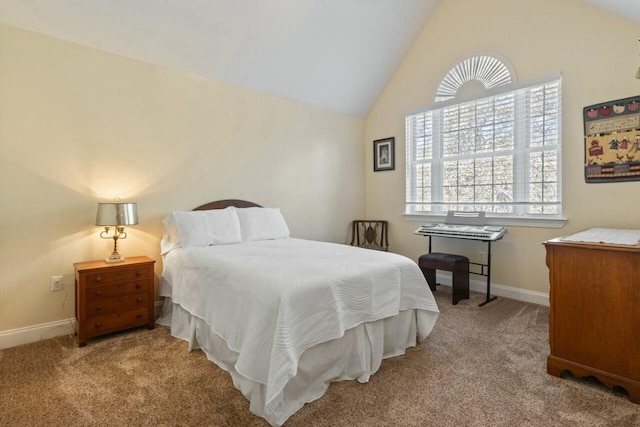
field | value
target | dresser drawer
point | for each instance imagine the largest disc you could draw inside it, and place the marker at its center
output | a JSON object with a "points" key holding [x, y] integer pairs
{"points": [[115, 322], [101, 293], [121, 303], [117, 276]]}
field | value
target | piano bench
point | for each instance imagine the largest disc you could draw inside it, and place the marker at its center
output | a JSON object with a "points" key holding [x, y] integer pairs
{"points": [[458, 265]]}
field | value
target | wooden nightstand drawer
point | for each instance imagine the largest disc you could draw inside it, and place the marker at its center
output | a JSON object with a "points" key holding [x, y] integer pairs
{"points": [[110, 305], [116, 322], [112, 297], [107, 277], [103, 292]]}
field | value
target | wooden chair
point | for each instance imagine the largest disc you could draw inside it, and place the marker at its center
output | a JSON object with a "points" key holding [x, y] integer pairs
{"points": [[370, 234]]}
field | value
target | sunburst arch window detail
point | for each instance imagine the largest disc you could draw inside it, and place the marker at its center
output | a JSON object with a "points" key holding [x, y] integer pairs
{"points": [[485, 69]]}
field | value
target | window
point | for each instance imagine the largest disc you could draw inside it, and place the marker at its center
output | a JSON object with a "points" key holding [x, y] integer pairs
{"points": [[499, 152]]}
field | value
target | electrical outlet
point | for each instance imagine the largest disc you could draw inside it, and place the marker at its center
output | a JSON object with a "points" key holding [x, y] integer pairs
{"points": [[56, 283]]}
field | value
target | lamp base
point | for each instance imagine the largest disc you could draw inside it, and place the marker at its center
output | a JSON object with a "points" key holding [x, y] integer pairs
{"points": [[114, 259]]}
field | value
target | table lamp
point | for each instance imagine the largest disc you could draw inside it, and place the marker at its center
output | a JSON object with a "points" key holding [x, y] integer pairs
{"points": [[116, 215]]}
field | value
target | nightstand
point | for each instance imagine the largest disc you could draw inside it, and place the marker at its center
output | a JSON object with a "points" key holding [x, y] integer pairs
{"points": [[113, 297]]}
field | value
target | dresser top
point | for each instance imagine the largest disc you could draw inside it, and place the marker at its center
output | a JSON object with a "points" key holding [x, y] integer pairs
{"points": [[129, 261], [601, 238]]}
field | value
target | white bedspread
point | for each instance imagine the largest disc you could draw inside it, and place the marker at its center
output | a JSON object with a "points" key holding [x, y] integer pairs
{"points": [[272, 300]]}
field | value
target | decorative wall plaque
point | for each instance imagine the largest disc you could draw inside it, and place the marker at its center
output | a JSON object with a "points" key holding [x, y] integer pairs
{"points": [[612, 141]]}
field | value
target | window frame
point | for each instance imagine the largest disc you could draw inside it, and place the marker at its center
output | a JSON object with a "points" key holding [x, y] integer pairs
{"points": [[521, 151]]}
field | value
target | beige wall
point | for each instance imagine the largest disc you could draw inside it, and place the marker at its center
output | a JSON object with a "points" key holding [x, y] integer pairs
{"points": [[79, 126], [597, 55]]}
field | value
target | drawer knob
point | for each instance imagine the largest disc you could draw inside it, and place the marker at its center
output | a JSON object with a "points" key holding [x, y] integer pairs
{"points": [[98, 324], [138, 273], [139, 299], [98, 278], [138, 286], [98, 293], [98, 307], [138, 316]]}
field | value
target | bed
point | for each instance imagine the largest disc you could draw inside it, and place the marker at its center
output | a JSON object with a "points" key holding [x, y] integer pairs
{"points": [[285, 316]]}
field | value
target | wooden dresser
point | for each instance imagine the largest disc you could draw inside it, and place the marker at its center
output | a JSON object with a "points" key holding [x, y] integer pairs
{"points": [[594, 322], [113, 297]]}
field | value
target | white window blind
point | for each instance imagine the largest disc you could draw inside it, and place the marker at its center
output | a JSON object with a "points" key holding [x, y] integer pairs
{"points": [[499, 153]]}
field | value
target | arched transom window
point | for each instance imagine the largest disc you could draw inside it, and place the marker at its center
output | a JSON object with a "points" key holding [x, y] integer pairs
{"points": [[472, 75]]}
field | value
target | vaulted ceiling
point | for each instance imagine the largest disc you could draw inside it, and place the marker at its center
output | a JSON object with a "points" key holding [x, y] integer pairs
{"points": [[337, 54]]}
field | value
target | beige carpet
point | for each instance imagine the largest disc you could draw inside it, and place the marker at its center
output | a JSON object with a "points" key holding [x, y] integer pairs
{"points": [[479, 367]]}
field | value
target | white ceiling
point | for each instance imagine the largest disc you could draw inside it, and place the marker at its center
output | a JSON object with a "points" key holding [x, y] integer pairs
{"points": [[338, 54]]}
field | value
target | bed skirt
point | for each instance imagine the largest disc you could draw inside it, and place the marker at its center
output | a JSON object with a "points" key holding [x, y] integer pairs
{"points": [[356, 355]]}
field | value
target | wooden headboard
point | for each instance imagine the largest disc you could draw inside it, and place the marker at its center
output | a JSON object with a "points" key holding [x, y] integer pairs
{"points": [[221, 204]]}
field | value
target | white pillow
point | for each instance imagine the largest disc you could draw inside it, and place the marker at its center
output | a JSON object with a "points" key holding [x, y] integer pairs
{"points": [[262, 224], [170, 239], [200, 228]]}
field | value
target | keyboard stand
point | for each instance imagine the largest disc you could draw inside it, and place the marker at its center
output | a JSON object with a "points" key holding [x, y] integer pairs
{"points": [[488, 298]]}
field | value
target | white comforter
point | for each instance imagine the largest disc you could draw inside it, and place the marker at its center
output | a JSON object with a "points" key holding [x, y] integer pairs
{"points": [[272, 300]]}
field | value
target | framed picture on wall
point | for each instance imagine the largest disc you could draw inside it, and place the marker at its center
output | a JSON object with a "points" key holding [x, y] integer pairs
{"points": [[384, 154]]}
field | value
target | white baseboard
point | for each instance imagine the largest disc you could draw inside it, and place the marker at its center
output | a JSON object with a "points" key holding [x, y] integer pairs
{"points": [[45, 331], [499, 290]]}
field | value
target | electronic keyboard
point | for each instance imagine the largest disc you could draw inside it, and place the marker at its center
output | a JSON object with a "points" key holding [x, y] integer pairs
{"points": [[463, 225]]}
